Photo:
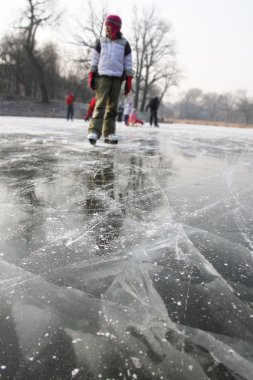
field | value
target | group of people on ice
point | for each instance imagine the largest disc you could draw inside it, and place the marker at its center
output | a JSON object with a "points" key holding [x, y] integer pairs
{"points": [[130, 116], [127, 113], [111, 65]]}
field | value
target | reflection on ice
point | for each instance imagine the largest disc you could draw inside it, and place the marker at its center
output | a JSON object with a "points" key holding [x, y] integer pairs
{"points": [[130, 262], [137, 316]]}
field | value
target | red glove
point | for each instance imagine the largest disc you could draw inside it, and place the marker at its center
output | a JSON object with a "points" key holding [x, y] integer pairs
{"points": [[91, 80], [128, 85]]}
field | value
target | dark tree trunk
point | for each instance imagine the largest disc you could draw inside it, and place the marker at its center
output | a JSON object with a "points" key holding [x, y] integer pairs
{"points": [[44, 93], [28, 89], [39, 74]]}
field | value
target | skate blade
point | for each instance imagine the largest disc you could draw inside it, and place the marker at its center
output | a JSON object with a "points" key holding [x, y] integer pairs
{"points": [[110, 142]]}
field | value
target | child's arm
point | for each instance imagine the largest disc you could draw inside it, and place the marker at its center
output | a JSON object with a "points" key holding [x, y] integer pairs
{"points": [[128, 66]]}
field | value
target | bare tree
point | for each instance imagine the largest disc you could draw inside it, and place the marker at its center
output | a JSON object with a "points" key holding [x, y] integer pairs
{"points": [[90, 30], [190, 105], [13, 56], [227, 106], [51, 63], [37, 14], [244, 107], [211, 105], [154, 53]]}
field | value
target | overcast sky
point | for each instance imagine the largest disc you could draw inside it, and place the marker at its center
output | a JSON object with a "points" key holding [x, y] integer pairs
{"points": [[213, 37]]}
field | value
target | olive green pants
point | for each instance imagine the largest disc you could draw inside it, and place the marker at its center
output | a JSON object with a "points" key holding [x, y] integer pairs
{"points": [[104, 115]]}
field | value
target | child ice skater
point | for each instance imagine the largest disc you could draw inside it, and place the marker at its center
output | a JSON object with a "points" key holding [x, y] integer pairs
{"points": [[111, 64]]}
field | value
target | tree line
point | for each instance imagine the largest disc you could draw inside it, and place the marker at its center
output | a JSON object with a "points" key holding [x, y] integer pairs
{"points": [[227, 107]]}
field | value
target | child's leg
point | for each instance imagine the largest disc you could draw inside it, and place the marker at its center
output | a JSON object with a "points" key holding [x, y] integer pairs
{"points": [[112, 107], [102, 92]]}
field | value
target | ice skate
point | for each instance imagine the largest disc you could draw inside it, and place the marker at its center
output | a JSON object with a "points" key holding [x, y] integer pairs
{"points": [[92, 137], [111, 139]]}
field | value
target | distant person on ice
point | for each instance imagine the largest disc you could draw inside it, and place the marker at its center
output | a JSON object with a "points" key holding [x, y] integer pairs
{"points": [[70, 106], [133, 119], [127, 111], [89, 113], [111, 64], [120, 112], [153, 106]]}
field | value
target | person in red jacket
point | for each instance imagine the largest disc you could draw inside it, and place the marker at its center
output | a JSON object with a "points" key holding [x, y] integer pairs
{"points": [[70, 105], [133, 120], [92, 104]]}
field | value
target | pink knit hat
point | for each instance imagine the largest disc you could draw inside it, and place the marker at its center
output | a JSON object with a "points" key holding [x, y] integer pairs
{"points": [[114, 22]]}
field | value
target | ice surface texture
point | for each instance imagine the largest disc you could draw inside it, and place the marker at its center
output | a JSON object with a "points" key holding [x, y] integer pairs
{"points": [[125, 262]]}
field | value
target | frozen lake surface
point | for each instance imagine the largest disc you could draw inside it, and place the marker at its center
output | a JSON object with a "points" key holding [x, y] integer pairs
{"points": [[132, 261]]}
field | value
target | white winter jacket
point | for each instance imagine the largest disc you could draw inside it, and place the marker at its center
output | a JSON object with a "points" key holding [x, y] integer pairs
{"points": [[112, 57], [128, 108]]}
